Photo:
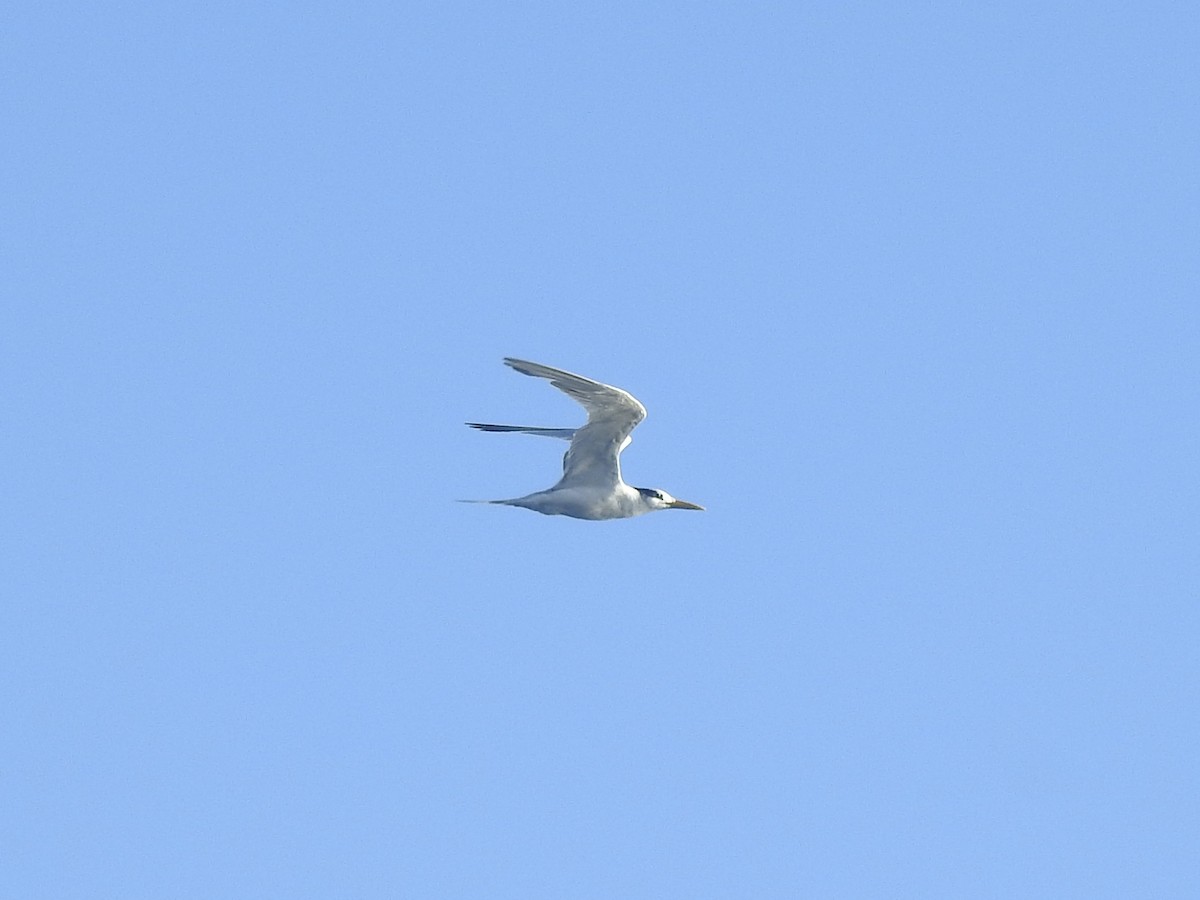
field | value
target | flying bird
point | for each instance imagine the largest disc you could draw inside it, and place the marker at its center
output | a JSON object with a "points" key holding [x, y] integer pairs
{"points": [[591, 486]]}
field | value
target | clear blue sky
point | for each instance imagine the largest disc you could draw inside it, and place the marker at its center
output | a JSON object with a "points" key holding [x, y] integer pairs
{"points": [[911, 293]]}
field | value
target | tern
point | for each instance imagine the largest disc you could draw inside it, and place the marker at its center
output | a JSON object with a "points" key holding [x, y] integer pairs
{"points": [[591, 486]]}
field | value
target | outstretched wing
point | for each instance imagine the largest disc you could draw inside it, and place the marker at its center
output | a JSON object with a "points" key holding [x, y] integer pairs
{"points": [[595, 455], [565, 433]]}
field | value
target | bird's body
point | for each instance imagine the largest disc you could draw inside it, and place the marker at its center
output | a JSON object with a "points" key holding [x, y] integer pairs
{"points": [[591, 486]]}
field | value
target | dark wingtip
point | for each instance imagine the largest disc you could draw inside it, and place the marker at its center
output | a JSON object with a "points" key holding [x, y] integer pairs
{"points": [[522, 366]]}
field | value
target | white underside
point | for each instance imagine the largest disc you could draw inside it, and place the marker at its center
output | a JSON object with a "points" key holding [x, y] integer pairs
{"points": [[585, 502]]}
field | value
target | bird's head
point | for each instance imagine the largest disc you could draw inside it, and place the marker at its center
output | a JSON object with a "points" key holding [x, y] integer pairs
{"points": [[657, 499]]}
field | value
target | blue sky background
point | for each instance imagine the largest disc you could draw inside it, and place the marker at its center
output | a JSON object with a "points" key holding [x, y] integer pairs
{"points": [[910, 291]]}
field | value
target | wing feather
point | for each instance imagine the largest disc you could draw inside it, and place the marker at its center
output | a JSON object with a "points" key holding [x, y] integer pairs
{"points": [[594, 457]]}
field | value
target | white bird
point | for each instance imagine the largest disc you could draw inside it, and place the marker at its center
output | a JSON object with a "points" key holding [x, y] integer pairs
{"points": [[591, 485]]}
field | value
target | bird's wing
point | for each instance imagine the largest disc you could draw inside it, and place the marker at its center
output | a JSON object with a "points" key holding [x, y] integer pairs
{"points": [[565, 433], [594, 456]]}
